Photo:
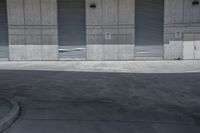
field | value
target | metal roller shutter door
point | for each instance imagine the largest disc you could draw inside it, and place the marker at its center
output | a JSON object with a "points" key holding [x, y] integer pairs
{"points": [[149, 28], [72, 28], [3, 30]]}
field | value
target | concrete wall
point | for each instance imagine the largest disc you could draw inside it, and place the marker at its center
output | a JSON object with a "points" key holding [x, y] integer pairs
{"points": [[115, 17], [180, 16], [32, 26], [33, 32]]}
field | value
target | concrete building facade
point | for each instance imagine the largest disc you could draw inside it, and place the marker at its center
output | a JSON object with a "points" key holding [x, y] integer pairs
{"points": [[38, 30]]}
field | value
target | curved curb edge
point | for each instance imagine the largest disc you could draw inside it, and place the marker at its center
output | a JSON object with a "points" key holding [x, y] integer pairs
{"points": [[9, 119]]}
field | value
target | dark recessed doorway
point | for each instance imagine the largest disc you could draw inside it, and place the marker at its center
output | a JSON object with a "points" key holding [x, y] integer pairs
{"points": [[72, 29], [4, 52], [149, 29]]}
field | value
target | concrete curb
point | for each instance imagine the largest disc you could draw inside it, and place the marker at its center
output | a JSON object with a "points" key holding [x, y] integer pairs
{"points": [[8, 120]]}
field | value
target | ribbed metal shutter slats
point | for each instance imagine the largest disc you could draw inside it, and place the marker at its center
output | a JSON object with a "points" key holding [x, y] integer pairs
{"points": [[149, 28], [72, 28], [3, 30]]}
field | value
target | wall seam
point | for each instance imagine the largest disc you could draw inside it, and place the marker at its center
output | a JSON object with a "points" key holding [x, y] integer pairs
{"points": [[118, 29], [25, 36]]}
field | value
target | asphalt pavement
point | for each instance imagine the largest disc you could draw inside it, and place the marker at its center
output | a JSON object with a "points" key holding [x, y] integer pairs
{"points": [[66, 101]]}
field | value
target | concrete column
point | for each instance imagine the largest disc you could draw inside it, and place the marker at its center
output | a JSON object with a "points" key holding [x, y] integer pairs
{"points": [[173, 48], [32, 29], [114, 17], [180, 17]]}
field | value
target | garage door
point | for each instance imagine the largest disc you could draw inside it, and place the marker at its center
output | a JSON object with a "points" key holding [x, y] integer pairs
{"points": [[149, 29], [72, 29], [3, 31]]}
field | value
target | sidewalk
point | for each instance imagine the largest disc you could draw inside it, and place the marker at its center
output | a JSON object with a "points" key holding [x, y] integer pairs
{"points": [[107, 66]]}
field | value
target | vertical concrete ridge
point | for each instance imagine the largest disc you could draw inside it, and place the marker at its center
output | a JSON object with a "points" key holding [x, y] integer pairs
{"points": [[12, 115]]}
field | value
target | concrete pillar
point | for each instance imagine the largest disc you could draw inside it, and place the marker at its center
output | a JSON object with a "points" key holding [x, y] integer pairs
{"points": [[116, 18], [33, 33], [173, 47], [181, 18]]}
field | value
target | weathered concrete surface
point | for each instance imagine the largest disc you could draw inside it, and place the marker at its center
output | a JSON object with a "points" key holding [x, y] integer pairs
{"points": [[116, 17], [108, 66], [91, 102], [180, 16], [32, 27]]}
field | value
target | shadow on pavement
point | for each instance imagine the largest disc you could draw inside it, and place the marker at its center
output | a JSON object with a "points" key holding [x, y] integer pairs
{"points": [[88, 102]]}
